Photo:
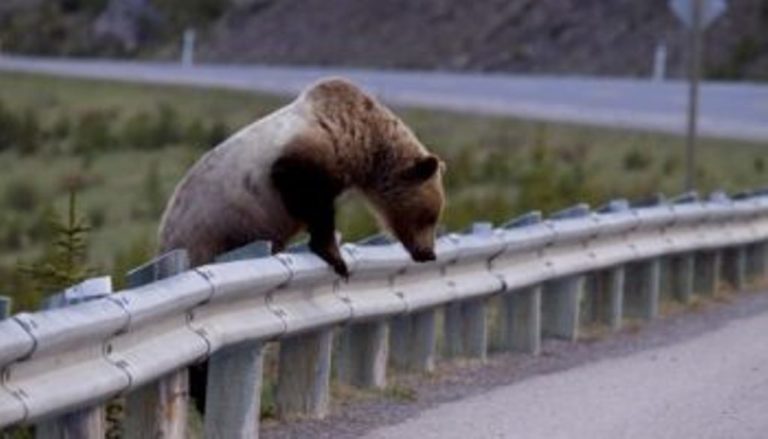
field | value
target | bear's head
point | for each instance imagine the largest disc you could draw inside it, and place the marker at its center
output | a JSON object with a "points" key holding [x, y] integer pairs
{"points": [[412, 205]]}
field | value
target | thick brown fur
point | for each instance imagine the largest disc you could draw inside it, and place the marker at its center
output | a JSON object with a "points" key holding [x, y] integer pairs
{"points": [[343, 139]]}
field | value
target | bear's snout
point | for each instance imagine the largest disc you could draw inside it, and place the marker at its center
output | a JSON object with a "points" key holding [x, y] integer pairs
{"points": [[423, 254]]}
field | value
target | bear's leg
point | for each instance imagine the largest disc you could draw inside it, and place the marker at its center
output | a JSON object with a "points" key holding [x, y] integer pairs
{"points": [[322, 240], [308, 192]]}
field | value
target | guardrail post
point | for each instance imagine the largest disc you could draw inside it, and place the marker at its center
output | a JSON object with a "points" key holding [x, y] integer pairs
{"points": [[561, 307], [88, 422], [6, 305], [85, 423], [681, 275], [412, 341], [642, 289], [235, 373], [364, 354], [304, 371], [606, 298], [453, 330], [422, 352], [400, 330], [476, 321], [521, 320], [734, 267], [233, 395], [159, 409], [757, 261], [466, 329], [707, 269]]}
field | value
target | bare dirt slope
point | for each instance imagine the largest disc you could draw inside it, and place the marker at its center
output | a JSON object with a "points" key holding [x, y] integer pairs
{"points": [[551, 36], [615, 37]]}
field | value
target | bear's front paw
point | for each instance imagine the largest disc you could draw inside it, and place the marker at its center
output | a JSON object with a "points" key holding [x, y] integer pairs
{"points": [[340, 267], [331, 255]]}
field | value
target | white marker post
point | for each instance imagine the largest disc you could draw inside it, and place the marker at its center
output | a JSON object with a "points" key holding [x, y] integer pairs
{"points": [[660, 62], [188, 48], [696, 15]]}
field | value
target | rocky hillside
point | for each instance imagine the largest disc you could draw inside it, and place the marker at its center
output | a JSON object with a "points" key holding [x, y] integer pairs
{"points": [[615, 37]]}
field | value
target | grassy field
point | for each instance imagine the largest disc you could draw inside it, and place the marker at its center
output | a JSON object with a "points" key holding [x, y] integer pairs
{"points": [[497, 167]]}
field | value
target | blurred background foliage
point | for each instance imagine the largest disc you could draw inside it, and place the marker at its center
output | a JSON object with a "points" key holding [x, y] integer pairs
{"points": [[123, 147]]}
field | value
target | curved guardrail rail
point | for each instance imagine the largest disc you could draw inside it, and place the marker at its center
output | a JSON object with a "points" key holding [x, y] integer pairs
{"points": [[58, 361]]}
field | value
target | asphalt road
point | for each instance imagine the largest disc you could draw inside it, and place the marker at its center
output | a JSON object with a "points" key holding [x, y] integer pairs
{"points": [[713, 386], [731, 110], [701, 373]]}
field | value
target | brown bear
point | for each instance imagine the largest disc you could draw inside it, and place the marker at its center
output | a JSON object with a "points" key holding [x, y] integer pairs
{"points": [[282, 173]]}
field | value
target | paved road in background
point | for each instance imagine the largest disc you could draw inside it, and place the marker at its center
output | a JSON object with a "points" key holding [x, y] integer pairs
{"points": [[714, 386], [732, 110]]}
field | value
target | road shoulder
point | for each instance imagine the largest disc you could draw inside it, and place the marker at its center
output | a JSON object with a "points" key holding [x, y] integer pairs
{"points": [[410, 396]]}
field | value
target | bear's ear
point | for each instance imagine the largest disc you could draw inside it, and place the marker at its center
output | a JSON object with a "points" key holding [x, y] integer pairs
{"points": [[422, 169]]}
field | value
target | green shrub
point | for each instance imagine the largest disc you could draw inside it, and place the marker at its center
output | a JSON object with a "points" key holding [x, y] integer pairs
{"points": [[637, 160], [78, 181], [61, 128], [29, 135], [538, 182], [8, 128], [38, 228], [671, 166], [152, 130], [154, 195], [138, 252], [59, 134], [758, 164], [22, 133], [167, 129], [460, 168], [497, 167], [19, 288], [12, 233], [195, 135], [21, 195], [217, 133], [137, 132], [485, 205], [97, 216], [93, 132], [64, 262]]}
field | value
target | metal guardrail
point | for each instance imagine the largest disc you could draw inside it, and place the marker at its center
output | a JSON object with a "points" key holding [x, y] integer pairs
{"points": [[58, 361]]}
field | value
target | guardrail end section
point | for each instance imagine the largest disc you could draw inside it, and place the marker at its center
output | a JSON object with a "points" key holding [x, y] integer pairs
{"points": [[685, 198], [653, 200], [743, 195], [719, 196], [577, 211], [527, 219], [256, 249], [377, 239], [87, 290], [613, 206], [479, 228], [165, 265]]}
